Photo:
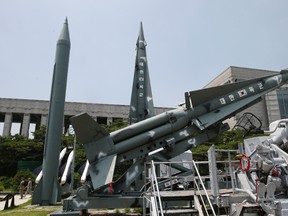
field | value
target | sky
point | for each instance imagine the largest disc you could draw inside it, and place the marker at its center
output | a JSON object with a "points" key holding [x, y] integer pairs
{"points": [[189, 42]]}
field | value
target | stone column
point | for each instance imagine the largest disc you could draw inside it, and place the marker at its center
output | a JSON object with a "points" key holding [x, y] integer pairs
{"points": [[44, 119], [25, 125], [109, 120], [7, 124]]}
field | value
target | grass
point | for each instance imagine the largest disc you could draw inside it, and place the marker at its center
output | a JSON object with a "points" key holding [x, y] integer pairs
{"points": [[22, 211]]}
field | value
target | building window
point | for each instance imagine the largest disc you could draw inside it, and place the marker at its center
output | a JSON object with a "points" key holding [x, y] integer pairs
{"points": [[102, 120], [282, 96]]}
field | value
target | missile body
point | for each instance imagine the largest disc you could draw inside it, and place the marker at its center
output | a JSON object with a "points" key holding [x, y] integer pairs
{"points": [[174, 131], [47, 191], [141, 105]]}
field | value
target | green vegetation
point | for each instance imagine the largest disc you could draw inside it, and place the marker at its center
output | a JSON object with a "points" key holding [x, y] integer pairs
{"points": [[17, 148], [228, 140], [115, 125], [17, 151]]}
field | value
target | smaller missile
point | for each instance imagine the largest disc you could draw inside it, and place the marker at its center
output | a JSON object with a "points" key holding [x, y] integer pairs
{"points": [[174, 131], [67, 168], [85, 173], [62, 153]]}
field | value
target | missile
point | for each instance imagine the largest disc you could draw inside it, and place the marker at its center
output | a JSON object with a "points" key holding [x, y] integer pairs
{"points": [[172, 132], [62, 153], [85, 172], [141, 105], [67, 168], [48, 190]]}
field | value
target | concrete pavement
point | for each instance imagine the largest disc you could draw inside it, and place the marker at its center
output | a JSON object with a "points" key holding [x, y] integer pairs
{"points": [[17, 200]]}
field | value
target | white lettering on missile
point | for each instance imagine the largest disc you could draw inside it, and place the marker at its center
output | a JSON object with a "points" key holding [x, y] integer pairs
{"points": [[251, 89], [231, 97], [141, 64], [260, 85], [242, 93], [222, 101], [141, 71], [141, 86], [141, 78], [140, 94]]}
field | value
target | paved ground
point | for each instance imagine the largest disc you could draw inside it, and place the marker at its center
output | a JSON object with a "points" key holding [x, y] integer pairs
{"points": [[17, 201]]}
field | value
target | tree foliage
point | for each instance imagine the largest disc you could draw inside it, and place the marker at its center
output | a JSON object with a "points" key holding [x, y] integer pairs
{"points": [[39, 135], [115, 125], [228, 140], [17, 148]]}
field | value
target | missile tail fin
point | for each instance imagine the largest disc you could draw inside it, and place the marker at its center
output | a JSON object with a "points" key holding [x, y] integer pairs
{"points": [[102, 171], [98, 146], [86, 129], [95, 139]]}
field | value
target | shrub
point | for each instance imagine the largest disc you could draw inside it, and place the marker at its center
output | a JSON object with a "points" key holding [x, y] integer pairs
{"points": [[19, 175], [1, 187]]}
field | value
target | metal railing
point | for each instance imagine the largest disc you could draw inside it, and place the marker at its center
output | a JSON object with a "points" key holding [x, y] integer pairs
{"points": [[205, 191], [153, 196]]}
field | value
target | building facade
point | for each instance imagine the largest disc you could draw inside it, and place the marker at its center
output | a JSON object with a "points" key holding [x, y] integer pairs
{"points": [[272, 107], [28, 112]]}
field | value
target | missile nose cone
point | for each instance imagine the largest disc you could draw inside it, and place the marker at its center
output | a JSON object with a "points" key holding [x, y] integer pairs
{"points": [[64, 37], [141, 40], [141, 33]]}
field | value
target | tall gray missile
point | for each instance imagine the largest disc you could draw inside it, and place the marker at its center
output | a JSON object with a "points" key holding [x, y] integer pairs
{"points": [[48, 191], [171, 133], [141, 105]]}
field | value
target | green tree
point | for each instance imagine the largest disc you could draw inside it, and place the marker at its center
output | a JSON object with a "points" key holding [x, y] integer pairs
{"points": [[40, 134], [228, 140], [115, 125]]}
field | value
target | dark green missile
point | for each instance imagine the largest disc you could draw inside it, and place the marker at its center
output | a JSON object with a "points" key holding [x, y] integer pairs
{"points": [[48, 190], [141, 105]]}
